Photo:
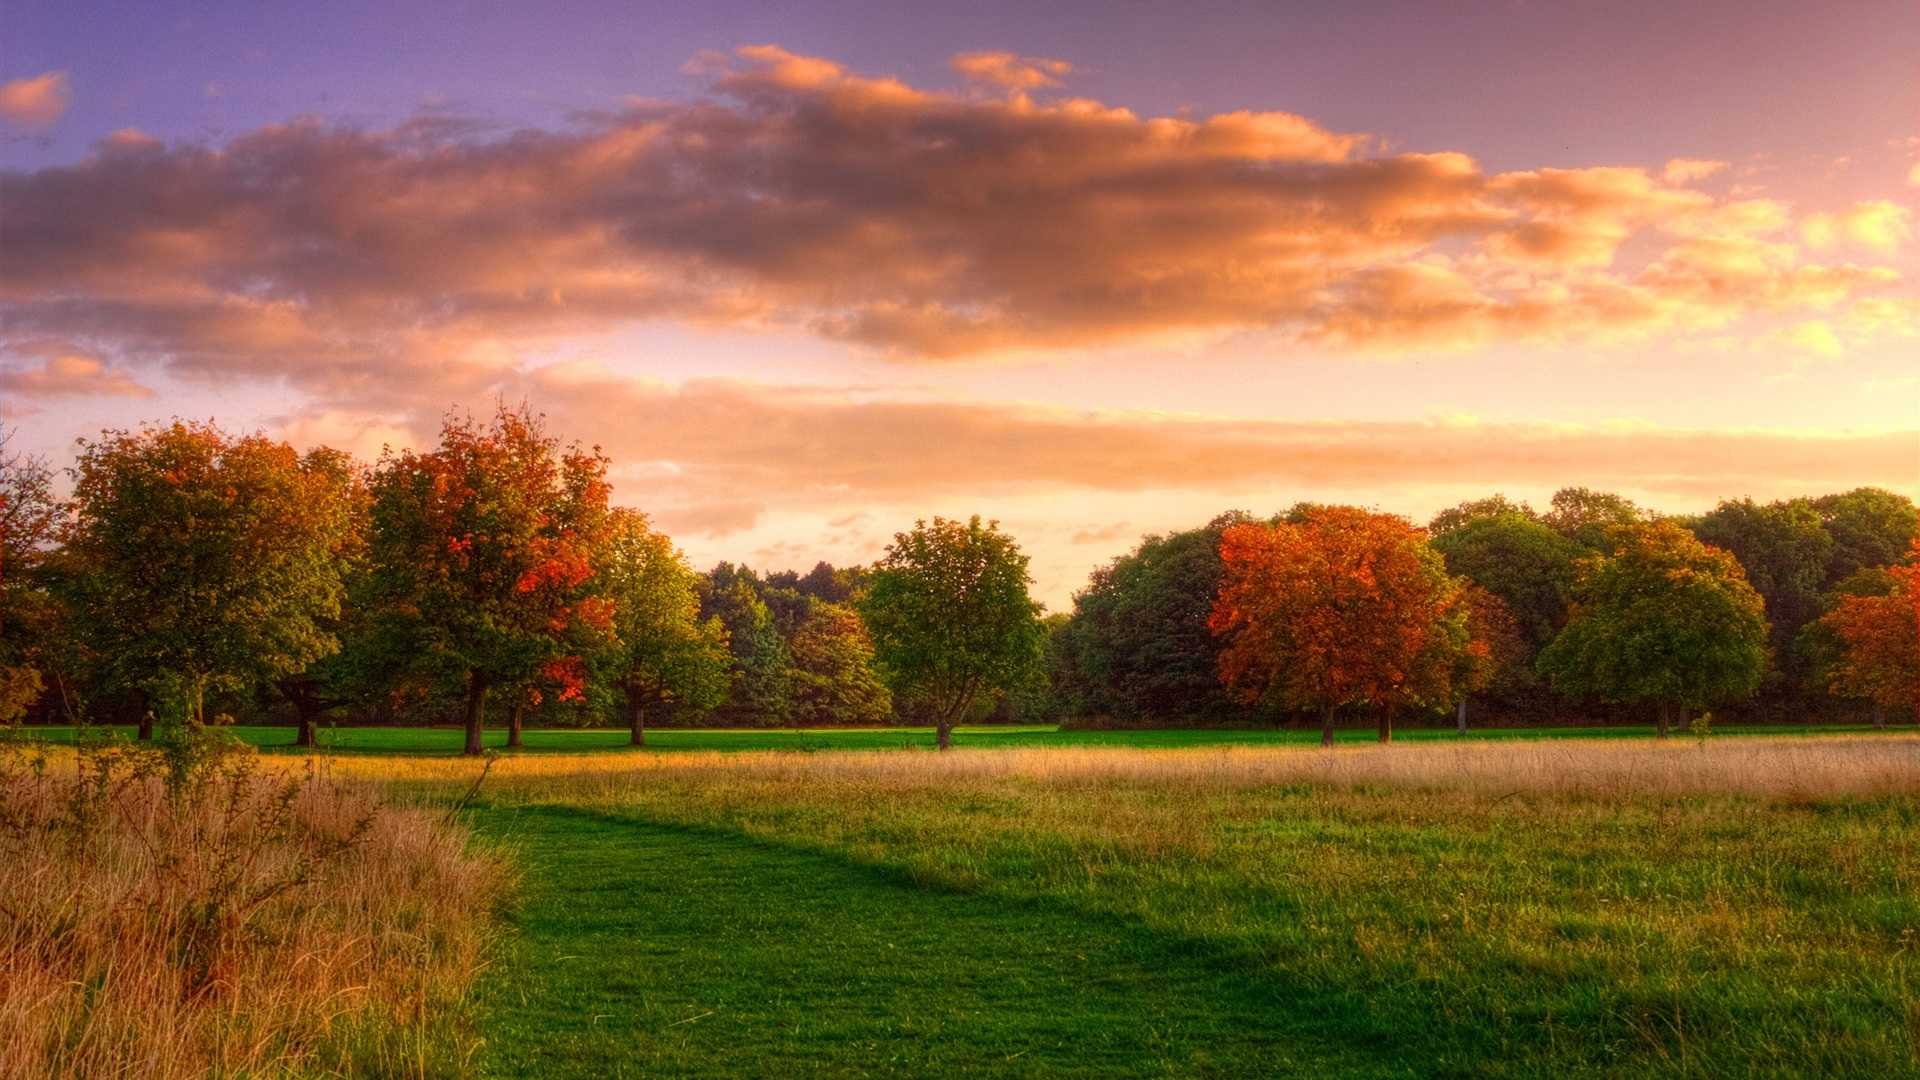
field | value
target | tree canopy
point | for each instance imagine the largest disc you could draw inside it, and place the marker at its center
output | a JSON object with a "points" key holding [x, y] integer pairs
{"points": [[951, 618]]}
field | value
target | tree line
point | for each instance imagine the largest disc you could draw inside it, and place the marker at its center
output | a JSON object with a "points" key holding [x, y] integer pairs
{"points": [[1800, 606], [491, 579]]}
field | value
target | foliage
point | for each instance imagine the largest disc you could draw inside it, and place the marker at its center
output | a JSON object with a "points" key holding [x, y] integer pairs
{"points": [[1138, 643], [1519, 559], [206, 561], [661, 654], [1346, 607], [1869, 526], [1588, 517], [1493, 506], [482, 552], [833, 679], [1878, 639], [951, 619], [1785, 550], [1664, 619], [760, 690]]}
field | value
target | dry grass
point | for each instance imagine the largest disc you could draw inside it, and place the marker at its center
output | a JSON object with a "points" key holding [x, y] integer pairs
{"points": [[250, 924], [1772, 768]]}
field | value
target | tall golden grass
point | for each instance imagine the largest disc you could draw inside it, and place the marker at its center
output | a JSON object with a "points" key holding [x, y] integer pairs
{"points": [[1770, 767], [253, 925]]}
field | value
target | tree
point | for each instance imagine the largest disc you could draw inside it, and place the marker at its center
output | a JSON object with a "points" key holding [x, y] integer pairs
{"points": [[1517, 558], [1869, 526], [207, 561], [1784, 549], [1589, 517], [951, 619], [661, 654], [1139, 633], [1496, 649], [761, 687], [1473, 510], [1662, 619], [1344, 607], [482, 554], [834, 680], [1879, 640], [31, 616]]}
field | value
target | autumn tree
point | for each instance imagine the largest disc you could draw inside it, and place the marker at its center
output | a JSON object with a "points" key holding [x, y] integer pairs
{"points": [[834, 680], [1496, 650], [207, 561], [661, 654], [1878, 634], [1343, 607], [1661, 619], [951, 618], [31, 616], [482, 553]]}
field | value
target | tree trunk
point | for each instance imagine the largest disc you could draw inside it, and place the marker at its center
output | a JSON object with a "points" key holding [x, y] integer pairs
{"points": [[1665, 708], [514, 717], [1386, 723], [146, 716], [943, 734], [1879, 715], [476, 711], [637, 719], [1460, 715], [1326, 727]]}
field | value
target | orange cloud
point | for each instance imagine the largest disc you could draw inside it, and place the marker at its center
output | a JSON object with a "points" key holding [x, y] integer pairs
{"points": [[1010, 70], [1688, 170], [65, 371], [381, 269], [1877, 224], [36, 101]]}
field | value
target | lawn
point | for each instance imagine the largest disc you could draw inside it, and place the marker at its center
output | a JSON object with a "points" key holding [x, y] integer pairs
{"points": [[1746, 907], [447, 740]]}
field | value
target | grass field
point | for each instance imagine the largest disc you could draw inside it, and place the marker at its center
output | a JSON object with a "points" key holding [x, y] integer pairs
{"points": [[1735, 906], [447, 740], [1747, 907]]}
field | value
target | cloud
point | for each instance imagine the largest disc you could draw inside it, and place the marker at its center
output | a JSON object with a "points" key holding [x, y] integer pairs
{"points": [[737, 450], [1813, 338], [380, 270], [66, 371], [1010, 70], [1688, 170], [36, 101], [1913, 175], [1877, 224]]}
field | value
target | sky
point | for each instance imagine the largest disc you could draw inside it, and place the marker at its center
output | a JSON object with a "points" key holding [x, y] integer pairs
{"points": [[810, 272]]}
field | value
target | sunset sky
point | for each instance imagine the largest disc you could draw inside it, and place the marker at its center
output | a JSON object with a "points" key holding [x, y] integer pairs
{"points": [[808, 272]]}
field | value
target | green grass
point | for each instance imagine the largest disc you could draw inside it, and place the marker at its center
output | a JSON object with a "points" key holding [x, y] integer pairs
{"points": [[448, 741], [772, 919]]}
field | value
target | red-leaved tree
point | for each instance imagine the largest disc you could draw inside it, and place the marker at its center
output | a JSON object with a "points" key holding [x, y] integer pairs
{"points": [[482, 554], [1879, 640], [1342, 607]]}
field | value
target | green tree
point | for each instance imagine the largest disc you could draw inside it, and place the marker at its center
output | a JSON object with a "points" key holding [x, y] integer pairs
{"points": [[1519, 559], [1869, 526], [1588, 517], [662, 655], [761, 691], [1662, 619], [951, 618], [1784, 548], [1139, 634], [834, 681], [1473, 510], [482, 552], [207, 561]]}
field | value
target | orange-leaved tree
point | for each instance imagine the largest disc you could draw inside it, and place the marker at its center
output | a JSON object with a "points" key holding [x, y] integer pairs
{"points": [[1340, 606], [482, 553], [1879, 638]]}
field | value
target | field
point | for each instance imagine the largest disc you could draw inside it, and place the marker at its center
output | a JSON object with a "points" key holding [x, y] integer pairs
{"points": [[1504, 907]]}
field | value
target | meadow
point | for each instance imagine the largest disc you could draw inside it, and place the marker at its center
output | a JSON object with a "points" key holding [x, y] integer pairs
{"points": [[1489, 907]]}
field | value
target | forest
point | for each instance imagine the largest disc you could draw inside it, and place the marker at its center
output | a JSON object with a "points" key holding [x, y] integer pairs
{"points": [[197, 575]]}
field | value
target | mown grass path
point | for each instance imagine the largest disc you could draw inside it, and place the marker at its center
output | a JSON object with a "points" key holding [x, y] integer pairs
{"points": [[648, 949]]}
